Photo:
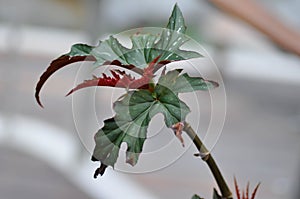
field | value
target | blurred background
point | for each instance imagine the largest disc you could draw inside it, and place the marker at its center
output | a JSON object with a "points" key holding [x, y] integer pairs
{"points": [[41, 155]]}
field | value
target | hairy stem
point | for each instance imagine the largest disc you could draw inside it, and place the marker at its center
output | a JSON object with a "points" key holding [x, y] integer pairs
{"points": [[207, 157]]}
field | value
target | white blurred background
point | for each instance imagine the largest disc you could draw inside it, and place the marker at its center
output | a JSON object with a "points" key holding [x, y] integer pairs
{"points": [[41, 155]]}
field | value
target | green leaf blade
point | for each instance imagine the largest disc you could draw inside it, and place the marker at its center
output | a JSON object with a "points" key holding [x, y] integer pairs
{"points": [[184, 83], [80, 50], [173, 109], [128, 126], [196, 197], [109, 50], [146, 47], [176, 20], [143, 45], [173, 37], [133, 114]]}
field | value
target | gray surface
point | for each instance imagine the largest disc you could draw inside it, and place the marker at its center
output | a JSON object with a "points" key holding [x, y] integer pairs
{"points": [[23, 176]]}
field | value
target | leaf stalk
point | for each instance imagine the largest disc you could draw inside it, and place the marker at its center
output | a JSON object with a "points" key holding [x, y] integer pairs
{"points": [[207, 157]]}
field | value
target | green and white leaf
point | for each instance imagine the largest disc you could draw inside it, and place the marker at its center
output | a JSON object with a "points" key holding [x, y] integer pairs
{"points": [[176, 20], [80, 50], [109, 50], [173, 38], [133, 114], [183, 83], [146, 47]]}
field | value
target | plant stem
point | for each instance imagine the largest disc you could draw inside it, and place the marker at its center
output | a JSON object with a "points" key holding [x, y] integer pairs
{"points": [[207, 157]]}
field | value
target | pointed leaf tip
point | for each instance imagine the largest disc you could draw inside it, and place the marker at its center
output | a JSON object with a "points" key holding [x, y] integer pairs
{"points": [[245, 194], [100, 170], [196, 197], [39, 101], [237, 190], [255, 191], [176, 20]]}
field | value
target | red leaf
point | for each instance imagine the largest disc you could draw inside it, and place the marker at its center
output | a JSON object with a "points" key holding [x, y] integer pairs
{"points": [[237, 189], [255, 190], [126, 81], [55, 66], [129, 67], [66, 60], [245, 195], [113, 81], [146, 77], [247, 191]]}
